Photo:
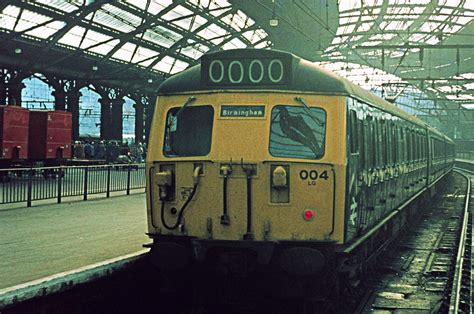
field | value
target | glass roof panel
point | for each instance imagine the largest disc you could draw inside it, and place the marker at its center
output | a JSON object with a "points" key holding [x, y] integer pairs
{"points": [[8, 17], [104, 48], [93, 38], [165, 64], [125, 52], [467, 75], [178, 66], [263, 44], [177, 12], [429, 27], [451, 3], [468, 106], [162, 36], [191, 23], [195, 51], [65, 6], [154, 7], [365, 27], [234, 44], [47, 30], [102, 27], [117, 18], [143, 53], [214, 33], [366, 77], [33, 17], [25, 21], [460, 97], [349, 5], [214, 4], [237, 21], [73, 36]]}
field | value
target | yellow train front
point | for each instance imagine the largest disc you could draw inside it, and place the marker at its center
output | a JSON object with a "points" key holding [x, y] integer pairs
{"points": [[248, 166]]}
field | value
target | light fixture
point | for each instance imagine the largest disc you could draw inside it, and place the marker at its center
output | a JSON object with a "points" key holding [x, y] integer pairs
{"points": [[18, 50], [150, 80], [95, 68], [273, 20]]}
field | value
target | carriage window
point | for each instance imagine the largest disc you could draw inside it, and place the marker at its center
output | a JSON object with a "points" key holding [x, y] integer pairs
{"points": [[372, 143], [297, 132], [188, 132], [354, 134]]}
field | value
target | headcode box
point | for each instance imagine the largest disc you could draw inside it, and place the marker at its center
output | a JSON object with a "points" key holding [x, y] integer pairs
{"points": [[50, 134], [13, 132]]}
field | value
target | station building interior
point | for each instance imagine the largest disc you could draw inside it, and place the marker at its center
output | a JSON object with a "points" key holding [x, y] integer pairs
{"points": [[103, 60]]}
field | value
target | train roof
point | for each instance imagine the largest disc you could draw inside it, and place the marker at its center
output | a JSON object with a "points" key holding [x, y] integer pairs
{"points": [[301, 76]]}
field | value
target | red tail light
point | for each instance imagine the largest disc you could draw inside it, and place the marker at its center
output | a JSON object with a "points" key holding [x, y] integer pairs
{"points": [[308, 214]]}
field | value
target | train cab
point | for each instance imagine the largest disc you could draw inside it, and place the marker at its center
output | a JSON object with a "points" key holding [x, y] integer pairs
{"points": [[262, 152]]}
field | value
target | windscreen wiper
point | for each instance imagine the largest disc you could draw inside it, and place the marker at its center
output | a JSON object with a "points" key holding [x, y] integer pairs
{"points": [[187, 103], [308, 110]]}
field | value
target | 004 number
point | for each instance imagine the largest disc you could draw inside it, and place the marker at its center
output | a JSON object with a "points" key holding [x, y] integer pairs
{"points": [[313, 175]]}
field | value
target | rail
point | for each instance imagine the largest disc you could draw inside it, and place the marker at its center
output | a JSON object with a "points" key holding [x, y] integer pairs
{"points": [[455, 298], [40, 183]]}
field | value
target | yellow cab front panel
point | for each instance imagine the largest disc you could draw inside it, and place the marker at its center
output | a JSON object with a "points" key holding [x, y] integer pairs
{"points": [[288, 193]]}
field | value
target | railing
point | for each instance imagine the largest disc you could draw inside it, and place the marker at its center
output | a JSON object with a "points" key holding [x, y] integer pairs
{"points": [[32, 184]]}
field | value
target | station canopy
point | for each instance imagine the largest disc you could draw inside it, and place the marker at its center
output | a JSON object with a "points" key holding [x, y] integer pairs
{"points": [[424, 46], [159, 37]]}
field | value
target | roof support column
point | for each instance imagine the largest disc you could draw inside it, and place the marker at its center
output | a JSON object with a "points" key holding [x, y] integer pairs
{"points": [[3, 87], [117, 118], [72, 98], [149, 106], [139, 127], [14, 93], [141, 101], [12, 82], [59, 100], [105, 120], [111, 109]]}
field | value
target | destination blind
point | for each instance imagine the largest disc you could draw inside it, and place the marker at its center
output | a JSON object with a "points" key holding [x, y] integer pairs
{"points": [[246, 71]]}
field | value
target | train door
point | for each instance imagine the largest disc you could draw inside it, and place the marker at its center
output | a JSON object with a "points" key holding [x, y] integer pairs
{"points": [[427, 155], [430, 158], [355, 171]]}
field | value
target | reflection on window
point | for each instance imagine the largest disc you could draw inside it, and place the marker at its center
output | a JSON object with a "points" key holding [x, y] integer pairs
{"points": [[297, 132], [188, 131]]}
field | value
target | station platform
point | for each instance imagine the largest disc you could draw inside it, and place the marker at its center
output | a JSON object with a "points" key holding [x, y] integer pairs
{"points": [[50, 238]]}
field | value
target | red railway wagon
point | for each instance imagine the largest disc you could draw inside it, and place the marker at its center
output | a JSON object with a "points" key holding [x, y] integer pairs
{"points": [[14, 123], [49, 135]]}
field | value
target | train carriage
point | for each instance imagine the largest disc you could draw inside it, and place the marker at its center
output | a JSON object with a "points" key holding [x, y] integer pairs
{"points": [[266, 155]]}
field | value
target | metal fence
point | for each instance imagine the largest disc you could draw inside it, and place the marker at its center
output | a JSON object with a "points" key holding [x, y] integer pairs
{"points": [[32, 184]]}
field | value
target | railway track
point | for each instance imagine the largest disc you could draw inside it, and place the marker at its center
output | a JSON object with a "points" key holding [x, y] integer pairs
{"points": [[429, 269]]}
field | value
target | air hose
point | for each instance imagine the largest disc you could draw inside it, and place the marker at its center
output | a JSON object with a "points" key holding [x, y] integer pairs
{"points": [[181, 211]]}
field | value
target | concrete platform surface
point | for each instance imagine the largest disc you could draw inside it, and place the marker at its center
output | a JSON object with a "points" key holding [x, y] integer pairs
{"points": [[48, 239]]}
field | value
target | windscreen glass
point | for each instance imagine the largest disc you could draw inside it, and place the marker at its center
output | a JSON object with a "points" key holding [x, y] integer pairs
{"points": [[188, 131], [297, 132]]}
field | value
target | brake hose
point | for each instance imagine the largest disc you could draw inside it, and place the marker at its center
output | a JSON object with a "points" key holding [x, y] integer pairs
{"points": [[181, 211]]}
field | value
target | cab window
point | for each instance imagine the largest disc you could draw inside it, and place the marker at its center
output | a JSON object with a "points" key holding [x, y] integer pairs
{"points": [[188, 131], [297, 132]]}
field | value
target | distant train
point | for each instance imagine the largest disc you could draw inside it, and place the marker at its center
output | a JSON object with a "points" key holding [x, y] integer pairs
{"points": [[264, 161]]}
